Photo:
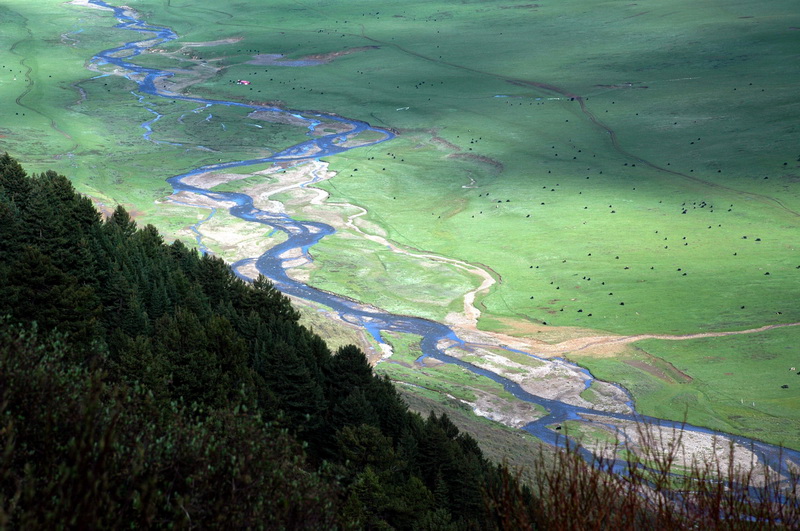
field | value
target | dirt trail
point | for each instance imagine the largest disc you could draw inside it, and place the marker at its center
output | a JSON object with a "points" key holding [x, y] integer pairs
{"points": [[591, 342], [553, 379], [218, 42]]}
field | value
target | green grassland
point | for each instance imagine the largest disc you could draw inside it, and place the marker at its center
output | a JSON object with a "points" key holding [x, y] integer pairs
{"points": [[394, 282], [588, 434], [451, 381], [86, 125], [623, 167], [404, 190], [732, 383]]}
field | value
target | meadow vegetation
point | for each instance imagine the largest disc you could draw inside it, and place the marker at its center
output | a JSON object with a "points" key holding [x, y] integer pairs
{"points": [[619, 167], [737, 384]]}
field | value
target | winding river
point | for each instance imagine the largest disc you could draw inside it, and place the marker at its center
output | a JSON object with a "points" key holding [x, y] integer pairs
{"points": [[301, 235]]}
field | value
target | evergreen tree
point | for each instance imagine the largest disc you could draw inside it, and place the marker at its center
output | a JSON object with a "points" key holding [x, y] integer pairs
{"points": [[83, 453], [165, 368], [354, 410], [299, 396], [119, 225], [10, 228], [37, 291], [13, 180]]}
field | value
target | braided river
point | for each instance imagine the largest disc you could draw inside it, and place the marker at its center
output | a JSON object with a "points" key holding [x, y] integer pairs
{"points": [[436, 338]]}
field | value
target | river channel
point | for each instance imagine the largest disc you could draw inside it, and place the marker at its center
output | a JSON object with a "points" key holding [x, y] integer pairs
{"points": [[301, 235]]}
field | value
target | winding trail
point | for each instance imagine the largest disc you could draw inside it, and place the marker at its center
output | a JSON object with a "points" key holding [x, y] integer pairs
{"points": [[587, 343], [436, 338], [471, 313]]}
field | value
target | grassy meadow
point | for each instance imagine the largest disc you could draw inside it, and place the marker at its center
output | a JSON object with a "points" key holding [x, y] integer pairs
{"points": [[626, 168], [732, 384]]}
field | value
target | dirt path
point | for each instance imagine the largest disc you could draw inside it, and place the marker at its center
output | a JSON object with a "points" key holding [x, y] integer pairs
{"points": [[217, 42], [594, 342], [554, 379]]}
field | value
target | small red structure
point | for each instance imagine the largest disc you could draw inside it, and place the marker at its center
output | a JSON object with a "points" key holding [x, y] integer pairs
{"points": [[242, 82]]}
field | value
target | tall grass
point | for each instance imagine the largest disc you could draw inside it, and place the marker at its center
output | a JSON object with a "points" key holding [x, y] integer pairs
{"points": [[647, 490]]}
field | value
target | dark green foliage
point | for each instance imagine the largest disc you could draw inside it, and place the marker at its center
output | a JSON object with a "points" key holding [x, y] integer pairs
{"points": [[143, 385], [146, 385], [84, 453], [13, 180], [38, 290]]}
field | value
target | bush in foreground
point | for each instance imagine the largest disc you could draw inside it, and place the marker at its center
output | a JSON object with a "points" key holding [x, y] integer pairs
{"points": [[650, 489]]}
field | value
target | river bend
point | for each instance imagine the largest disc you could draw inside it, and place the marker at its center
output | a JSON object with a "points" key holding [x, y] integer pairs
{"points": [[301, 235]]}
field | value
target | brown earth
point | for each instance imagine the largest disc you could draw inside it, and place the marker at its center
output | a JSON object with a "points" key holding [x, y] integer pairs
{"points": [[658, 373], [328, 57], [274, 59], [497, 165]]}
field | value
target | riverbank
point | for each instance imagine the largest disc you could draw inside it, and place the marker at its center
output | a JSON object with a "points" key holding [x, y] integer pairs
{"points": [[279, 262]]}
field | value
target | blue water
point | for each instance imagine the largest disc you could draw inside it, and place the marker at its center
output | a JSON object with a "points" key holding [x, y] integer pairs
{"points": [[304, 234]]}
